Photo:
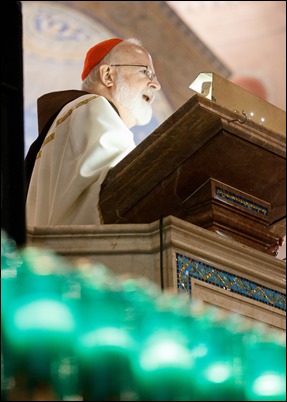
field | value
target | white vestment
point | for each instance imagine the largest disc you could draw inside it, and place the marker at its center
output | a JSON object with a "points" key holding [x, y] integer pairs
{"points": [[86, 139]]}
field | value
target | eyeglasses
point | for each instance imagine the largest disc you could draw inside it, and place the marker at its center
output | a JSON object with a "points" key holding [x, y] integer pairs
{"points": [[147, 70]]}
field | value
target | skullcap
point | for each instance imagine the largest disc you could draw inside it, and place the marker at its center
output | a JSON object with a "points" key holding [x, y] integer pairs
{"points": [[96, 53]]}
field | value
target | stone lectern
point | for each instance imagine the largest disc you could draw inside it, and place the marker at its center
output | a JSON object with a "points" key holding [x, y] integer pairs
{"points": [[198, 208], [207, 165]]}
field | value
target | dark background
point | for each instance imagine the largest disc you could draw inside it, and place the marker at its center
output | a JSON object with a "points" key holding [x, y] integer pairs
{"points": [[12, 124]]}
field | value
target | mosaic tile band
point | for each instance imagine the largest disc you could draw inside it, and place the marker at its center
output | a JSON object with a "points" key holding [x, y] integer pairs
{"points": [[243, 202], [188, 268]]}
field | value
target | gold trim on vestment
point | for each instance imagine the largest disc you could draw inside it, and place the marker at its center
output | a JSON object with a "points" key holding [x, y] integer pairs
{"points": [[61, 120]]}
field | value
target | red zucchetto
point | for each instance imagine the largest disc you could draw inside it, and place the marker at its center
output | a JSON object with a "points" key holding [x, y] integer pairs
{"points": [[96, 53]]}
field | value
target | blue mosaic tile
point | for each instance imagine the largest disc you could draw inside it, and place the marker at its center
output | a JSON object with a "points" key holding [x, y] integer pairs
{"points": [[188, 268], [242, 201]]}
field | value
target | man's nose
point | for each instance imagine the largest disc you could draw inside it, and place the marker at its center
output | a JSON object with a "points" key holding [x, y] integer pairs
{"points": [[154, 84]]}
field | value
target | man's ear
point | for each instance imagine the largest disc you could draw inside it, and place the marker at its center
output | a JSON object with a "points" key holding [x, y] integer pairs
{"points": [[106, 75]]}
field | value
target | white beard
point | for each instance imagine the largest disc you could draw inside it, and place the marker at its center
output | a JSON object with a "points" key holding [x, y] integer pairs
{"points": [[140, 109]]}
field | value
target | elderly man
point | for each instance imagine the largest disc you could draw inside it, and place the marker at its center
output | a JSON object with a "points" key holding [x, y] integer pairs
{"points": [[85, 133]]}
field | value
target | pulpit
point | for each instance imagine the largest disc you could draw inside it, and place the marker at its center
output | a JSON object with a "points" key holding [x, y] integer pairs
{"points": [[209, 166], [197, 207]]}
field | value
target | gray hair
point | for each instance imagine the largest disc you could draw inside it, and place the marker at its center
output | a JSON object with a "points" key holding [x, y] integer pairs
{"points": [[89, 82]]}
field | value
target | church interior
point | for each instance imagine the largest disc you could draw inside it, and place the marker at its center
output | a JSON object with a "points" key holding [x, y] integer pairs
{"points": [[181, 293]]}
